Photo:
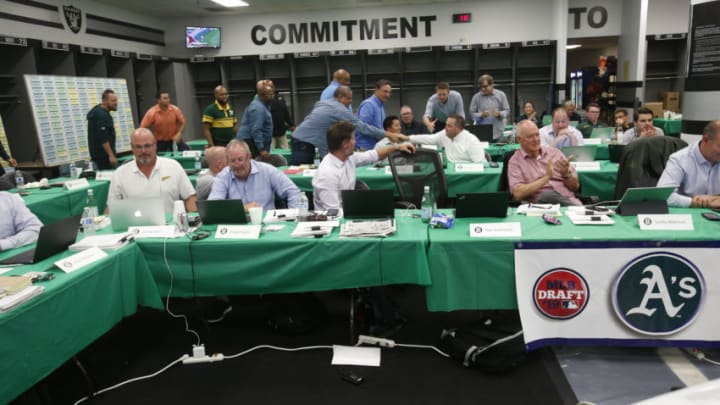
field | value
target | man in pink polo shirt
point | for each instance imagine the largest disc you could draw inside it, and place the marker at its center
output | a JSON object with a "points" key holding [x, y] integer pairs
{"points": [[540, 174], [166, 121]]}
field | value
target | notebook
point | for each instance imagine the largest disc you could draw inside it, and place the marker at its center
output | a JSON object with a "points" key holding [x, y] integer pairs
{"points": [[584, 153], [53, 238], [484, 132], [136, 212], [222, 212], [472, 205], [368, 204]]}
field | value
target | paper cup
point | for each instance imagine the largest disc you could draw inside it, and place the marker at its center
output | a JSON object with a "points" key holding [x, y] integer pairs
{"points": [[256, 215]]}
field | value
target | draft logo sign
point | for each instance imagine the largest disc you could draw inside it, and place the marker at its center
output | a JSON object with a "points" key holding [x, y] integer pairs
{"points": [[658, 294], [560, 293]]}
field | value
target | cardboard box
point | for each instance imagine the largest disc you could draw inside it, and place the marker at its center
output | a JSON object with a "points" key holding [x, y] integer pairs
{"points": [[671, 101], [656, 107]]}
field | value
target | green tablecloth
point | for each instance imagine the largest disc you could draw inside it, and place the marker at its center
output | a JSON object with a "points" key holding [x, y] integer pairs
{"points": [[198, 144], [75, 309], [670, 127], [600, 183], [278, 263], [56, 203], [497, 152], [478, 273]]}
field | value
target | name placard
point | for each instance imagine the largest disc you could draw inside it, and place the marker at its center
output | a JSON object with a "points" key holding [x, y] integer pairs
{"points": [[76, 184], [80, 260], [665, 222], [157, 231], [105, 175], [191, 153], [309, 172], [401, 169], [592, 141], [238, 232], [495, 230], [469, 167], [586, 166]]}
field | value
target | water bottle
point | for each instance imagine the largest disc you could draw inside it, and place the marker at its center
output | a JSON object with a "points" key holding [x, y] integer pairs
{"points": [[89, 213], [303, 205], [316, 161], [428, 205], [175, 148], [198, 165], [617, 135], [19, 179]]}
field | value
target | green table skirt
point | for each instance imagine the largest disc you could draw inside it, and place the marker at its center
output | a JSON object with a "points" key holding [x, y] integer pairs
{"points": [[56, 203]]}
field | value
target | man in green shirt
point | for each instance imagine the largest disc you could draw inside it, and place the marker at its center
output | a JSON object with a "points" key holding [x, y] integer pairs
{"points": [[101, 132], [592, 120], [219, 120]]}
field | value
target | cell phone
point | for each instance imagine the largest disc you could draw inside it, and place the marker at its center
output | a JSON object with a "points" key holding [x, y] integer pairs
{"points": [[493, 164], [332, 212], [549, 219], [350, 376], [200, 235], [711, 216]]}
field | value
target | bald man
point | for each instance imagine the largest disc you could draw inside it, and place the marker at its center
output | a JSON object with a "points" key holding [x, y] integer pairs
{"points": [[216, 161], [256, 126], [150, 176], [341, 77], [219, 119]]}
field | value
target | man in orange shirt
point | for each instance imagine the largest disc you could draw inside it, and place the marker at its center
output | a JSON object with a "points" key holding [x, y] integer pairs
{"points": [[166, 121]]}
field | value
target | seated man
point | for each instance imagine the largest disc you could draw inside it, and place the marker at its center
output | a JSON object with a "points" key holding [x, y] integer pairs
{"points": [[540, 174], [592, 120], [695, 173], [256, 183], [216, 161], [644, 127], [558, 134], [460, 145], [337, 169], [149, 175], [18, 226]]}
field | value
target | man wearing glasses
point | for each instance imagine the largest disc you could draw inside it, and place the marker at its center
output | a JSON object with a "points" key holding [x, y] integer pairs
{"points": [[149, 176], [490, 106], [592, 120]]}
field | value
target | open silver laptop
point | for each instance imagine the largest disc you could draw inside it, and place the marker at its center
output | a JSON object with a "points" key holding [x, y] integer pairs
{"points": [[136, 212], [580, 153]]}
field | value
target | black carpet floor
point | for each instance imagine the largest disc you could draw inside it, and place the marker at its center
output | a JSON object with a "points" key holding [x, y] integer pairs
{"points": [[149, 340]]}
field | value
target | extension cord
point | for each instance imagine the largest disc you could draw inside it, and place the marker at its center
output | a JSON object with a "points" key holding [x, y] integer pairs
{"points": [[694, 352], [199, 356], [375, 341]]}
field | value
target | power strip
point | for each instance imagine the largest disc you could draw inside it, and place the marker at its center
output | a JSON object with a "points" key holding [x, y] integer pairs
{"points": [[199, 356], [375, 341]]}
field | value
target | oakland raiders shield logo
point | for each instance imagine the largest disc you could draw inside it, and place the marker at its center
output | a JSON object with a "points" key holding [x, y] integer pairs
{"points": [[73, 18]]}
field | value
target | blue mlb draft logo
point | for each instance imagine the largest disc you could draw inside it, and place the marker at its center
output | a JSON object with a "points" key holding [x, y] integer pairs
{"points": [[658, 294]]}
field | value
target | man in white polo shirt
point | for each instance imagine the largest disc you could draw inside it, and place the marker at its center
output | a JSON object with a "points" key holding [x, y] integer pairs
{"points": [[460, 145], [151, 176]]}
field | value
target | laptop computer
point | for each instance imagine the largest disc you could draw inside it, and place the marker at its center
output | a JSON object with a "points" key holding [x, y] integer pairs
{"points": [[136, 212], [53, 238], [615, 152], [484, 132], [645, 200], [605, 133], [482, 205], [582, 153], [368, 204], [222, 212]]}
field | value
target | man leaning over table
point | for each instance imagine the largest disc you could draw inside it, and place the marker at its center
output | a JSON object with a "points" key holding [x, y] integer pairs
{"points": [[18, 226], [149, 175], [337, 169], [216, 161], [256, 183], [540, 173], [440, 106], [695, 172], [460, 145]]}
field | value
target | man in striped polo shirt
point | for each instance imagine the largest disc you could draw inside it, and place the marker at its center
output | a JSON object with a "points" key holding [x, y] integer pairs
{"points": [[219, 120]]}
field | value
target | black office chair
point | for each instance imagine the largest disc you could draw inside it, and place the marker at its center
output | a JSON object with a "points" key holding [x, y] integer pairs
{"points": [[361, 185], [413, 172], [643, 162]]}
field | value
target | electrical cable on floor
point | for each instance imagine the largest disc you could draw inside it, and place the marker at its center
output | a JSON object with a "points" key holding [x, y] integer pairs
{"points": [[440, 352], [283, 349], [132, 380], [167, 299]]}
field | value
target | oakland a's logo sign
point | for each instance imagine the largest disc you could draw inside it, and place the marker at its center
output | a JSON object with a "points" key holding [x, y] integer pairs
{"points": [[73, 18], [658, 294]]}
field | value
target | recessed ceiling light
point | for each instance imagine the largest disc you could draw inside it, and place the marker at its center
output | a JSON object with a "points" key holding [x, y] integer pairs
{"points": [[573, 46], [230, 3]]}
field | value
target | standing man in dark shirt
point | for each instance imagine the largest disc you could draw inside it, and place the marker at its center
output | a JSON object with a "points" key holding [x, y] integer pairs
{"points": [[408, 124], [101, 132], [281, 119]]}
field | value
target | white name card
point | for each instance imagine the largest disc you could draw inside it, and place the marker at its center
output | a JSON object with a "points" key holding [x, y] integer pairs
{"points": [[592, 141], [665, 222], [105, 175], [80, 260], [309, 172], [495, 230], [401, 169], [191, 153], [430, 147], [586, 166], [157, 231], [469, 167], [238, 232], [76, 184]]}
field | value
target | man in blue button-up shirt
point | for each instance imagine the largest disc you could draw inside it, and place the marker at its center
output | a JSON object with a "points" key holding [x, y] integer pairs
{"points": [[372, 111], [341, 77], [18, 226], [254, 182], [695, 172], [256, 127]]}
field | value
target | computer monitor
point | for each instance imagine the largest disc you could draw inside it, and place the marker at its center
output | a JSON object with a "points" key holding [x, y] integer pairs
{"points": [[53, 238], [493, 205], [368, 204], [222, 212], [484, 132]]}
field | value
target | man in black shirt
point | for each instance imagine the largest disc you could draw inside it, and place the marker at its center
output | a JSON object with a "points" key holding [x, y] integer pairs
{"points": [[101, 132], [408, 123], [282, 121]]}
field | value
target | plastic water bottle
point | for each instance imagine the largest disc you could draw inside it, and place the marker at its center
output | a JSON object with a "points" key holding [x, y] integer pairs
{"points": [[19, 179], [303, 204], [175, 147], [428, 205], [316, 161], [617, 135], [198, 165], [89, 213]]}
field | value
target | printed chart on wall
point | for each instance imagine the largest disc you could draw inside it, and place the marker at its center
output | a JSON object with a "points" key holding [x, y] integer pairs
{"points": [[60, 105], [3, 139]]}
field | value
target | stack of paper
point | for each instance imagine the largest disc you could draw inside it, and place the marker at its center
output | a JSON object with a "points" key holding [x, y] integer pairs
{"points": [[368, 229], [104, 242], [313, 229], [288, 214], [11, 301], [536, 210]]}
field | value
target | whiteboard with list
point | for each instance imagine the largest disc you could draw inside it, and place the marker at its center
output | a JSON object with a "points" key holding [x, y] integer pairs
{"points": [[60, 105]]}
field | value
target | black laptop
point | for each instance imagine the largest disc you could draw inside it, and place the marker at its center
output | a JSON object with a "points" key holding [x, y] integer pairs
{"points": [[615, 152], [368, 204], [54, 238], [473, 205], [484, 132], [222, 212]]}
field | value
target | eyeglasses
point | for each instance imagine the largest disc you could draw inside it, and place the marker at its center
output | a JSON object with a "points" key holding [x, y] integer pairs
{"points": [[593, 112], [146, 146]]}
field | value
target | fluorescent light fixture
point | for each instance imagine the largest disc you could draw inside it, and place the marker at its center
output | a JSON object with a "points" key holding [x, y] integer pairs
{"points": [[230, 3], [568, 47]]}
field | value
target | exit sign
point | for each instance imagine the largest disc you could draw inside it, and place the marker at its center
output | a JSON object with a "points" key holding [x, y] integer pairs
{"points": [[462, 18]]}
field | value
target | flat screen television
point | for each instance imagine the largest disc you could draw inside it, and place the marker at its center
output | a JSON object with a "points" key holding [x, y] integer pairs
{"points": [[202, 37]]}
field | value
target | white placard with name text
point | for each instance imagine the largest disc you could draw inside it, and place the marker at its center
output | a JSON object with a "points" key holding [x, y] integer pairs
{"points": [[76, 184], [104, 175], [156, 231], [309, 172], [592, 141], [400, 169], [665, 222], [79, 260], [238, 232], [469, 167], [495, 230], [586, 166], [191, 153]]}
